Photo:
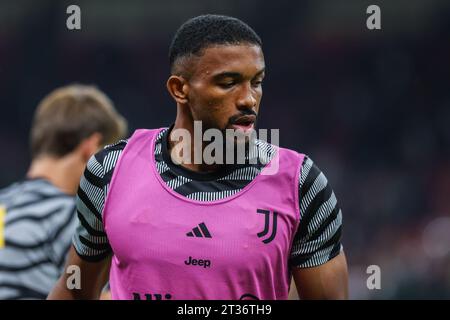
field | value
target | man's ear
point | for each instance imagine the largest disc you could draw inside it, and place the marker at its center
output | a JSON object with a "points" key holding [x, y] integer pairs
{"points": [[178, 88], [89, 146]]}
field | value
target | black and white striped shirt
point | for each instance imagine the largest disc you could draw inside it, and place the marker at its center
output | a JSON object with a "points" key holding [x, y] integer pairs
{"points": [[316, 241], [37, 222]]}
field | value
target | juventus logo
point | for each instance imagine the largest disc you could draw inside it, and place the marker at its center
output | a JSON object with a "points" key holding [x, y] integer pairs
{"points": [[267, 225]]}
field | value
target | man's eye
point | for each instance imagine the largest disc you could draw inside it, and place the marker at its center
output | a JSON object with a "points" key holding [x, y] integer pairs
{"points": [[226, 84], [257, 83]]}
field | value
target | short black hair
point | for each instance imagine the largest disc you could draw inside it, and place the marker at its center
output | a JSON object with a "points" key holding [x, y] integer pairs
{"points": [[210, 29]]}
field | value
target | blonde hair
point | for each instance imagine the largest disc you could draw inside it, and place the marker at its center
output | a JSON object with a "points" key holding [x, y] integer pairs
{"points": [[70, 114]]}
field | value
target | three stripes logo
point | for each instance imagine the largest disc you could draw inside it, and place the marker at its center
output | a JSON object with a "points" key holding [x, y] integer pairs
{"points": [[267, 219], [201, 231]]}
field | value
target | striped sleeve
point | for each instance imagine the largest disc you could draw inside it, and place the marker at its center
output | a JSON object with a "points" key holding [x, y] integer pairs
{"points": [[61, 234], [38, 224], [318, 238], [90, 239]]}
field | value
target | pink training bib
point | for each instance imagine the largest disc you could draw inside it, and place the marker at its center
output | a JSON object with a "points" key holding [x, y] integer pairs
{"points": [[167, 246]]}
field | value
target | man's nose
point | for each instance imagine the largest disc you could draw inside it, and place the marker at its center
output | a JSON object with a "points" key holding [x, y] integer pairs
{"points": [[247, 99]]}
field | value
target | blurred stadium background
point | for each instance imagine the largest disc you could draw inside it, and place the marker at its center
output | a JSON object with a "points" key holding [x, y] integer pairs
{"points": [[372, 108]]}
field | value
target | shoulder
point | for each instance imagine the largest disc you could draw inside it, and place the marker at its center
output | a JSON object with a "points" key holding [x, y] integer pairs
{"points": [[33, 205], [106, 159], [31, 191], [107, 151], [286, 151], [309, 172], [312, 180], [8, 191]]}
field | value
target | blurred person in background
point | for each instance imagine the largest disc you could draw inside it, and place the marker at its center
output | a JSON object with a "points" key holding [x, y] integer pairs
{"points": [[37, 214]]}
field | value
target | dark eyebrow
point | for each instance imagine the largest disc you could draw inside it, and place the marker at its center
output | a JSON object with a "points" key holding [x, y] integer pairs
{"points": [[261, 71], [227, 75], [234, 74]]}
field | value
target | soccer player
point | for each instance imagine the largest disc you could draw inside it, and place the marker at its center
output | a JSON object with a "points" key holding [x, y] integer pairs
{"points": [[37, 214], [161, 229]]}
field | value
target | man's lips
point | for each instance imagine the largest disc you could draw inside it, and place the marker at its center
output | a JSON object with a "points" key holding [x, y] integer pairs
{"points": [[242, 127], [244, 121]]}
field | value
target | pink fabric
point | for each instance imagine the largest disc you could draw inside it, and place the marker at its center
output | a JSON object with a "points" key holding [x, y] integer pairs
{"points": [[147, 225]]}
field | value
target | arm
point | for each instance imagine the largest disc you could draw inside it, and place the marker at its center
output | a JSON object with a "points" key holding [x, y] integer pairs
{"points": [[90, 250], [327, 281], [93, 276], [317, 260]]}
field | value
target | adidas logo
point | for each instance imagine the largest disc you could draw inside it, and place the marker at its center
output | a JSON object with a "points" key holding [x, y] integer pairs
{"points": [[201, 231]]}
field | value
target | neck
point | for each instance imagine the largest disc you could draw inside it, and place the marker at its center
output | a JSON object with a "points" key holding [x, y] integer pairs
{"points": [[185, 121], [64, 173]]}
